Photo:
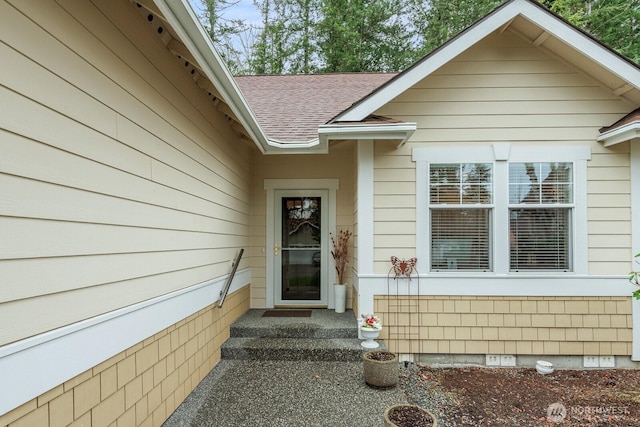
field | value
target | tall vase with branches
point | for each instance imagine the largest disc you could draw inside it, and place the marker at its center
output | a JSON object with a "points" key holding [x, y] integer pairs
{"points": [[340, 252]]}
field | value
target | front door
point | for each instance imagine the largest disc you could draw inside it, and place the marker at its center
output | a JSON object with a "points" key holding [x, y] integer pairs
{"points": [[300, 248]]}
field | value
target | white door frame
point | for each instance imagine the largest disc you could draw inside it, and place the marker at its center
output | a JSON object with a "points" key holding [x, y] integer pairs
{"points": [[271, 186]]}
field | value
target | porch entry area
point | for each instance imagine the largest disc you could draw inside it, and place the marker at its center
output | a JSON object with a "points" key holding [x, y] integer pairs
{"points": [[300, 215]]}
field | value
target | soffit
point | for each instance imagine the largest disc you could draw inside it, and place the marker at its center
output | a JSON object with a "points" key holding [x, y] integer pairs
{"points": [[561, 50], [202, 64]]}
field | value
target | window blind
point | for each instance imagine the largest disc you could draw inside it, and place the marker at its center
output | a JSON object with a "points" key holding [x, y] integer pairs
{"points": [[541, 203], [460, 239], [539, 239], [460, 198]]}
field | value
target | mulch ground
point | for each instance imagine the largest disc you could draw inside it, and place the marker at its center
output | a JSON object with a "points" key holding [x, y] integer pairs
{"points": [[475, 396]]}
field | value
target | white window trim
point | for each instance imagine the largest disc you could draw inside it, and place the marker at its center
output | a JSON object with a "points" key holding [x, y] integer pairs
{"points": [[500, 154]]}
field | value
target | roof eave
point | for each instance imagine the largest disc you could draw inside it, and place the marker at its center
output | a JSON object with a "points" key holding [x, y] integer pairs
{"points": [[628, 132], [187, 26], [390, 131], [313, 146]]}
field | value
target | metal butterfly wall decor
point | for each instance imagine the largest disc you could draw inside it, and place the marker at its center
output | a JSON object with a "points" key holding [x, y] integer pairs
{"points": [[403, 267]]}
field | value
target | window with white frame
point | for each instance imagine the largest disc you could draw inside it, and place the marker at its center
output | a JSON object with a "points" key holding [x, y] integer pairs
{"points": [[460, 200], [502, 209], [540, 211]]}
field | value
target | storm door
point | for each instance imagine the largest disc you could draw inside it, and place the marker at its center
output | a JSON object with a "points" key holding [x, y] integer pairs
{"points": [[300, 248]]}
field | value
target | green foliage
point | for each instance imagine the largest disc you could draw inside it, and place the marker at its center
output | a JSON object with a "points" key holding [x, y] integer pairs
{"points": [[634, 277], [363, 36], [223, 32], [437, 21], [616, 23], [310, 36]]}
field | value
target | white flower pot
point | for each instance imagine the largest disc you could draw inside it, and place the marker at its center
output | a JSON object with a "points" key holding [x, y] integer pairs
{"points": [[340, 294], [369, 335], [544, 367]]}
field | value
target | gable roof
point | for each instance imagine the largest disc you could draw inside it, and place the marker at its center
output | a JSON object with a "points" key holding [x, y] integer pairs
{"points": [[291, 107], [533, 22]]}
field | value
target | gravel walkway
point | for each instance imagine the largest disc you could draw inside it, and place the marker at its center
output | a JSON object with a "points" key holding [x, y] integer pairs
{"points": [[280, 393], [420, 391]]}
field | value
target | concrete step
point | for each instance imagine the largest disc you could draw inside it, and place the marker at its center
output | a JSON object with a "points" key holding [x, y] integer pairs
{"points": [[292, 349], [323, 336], [292, 330], [321, 324]]}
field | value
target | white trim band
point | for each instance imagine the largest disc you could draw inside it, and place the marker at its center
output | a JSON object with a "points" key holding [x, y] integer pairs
{"points": [[35, 365]]}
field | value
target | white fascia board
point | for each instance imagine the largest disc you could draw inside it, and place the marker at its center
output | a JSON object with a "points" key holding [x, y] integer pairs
{"points": [[314, 146], [582, 43], [536, 14], [624, 133], [185, 23], [430, 64], [399, 131]]}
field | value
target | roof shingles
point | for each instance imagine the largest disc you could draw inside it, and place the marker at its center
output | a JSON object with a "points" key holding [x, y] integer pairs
{"points": [[290, 108]]}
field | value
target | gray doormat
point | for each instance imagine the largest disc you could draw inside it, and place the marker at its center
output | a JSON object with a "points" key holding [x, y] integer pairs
{"points": [[287, 313]]}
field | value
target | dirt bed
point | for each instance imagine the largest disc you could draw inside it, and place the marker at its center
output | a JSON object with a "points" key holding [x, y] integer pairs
{"points": [[475, 396]]}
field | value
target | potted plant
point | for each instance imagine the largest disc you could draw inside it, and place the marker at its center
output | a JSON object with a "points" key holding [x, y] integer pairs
{"points": [[404, 415], [634, 277], [370, 326], [340, 252], [381, 369]]}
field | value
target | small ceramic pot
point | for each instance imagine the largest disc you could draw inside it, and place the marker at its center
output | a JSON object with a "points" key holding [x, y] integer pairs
{"points": [[544, 367]]}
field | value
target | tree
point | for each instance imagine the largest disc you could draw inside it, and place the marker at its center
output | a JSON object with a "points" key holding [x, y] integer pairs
{"points": [[616, 23], [226, 34], [437, 21], [309, 36], [286, 41], [364, 35]]}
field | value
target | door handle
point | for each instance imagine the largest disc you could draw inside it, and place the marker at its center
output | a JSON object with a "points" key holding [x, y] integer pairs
{"points": [[275, 250]]}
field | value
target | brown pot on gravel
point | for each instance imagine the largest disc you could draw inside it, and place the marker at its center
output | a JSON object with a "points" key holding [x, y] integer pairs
{"points": [[404, 415], [381, 369]]}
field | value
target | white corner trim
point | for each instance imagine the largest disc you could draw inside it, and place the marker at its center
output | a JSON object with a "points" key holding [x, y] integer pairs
{"points": [[365, 209], [635, 242], [35, 365]]}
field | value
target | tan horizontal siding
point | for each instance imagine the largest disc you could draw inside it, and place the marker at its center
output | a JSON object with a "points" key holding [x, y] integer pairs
{"points": [[31, 274], [509, 107], [505, 90], [392, 214], [609, 200], [36, 199], [121, 179]]}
